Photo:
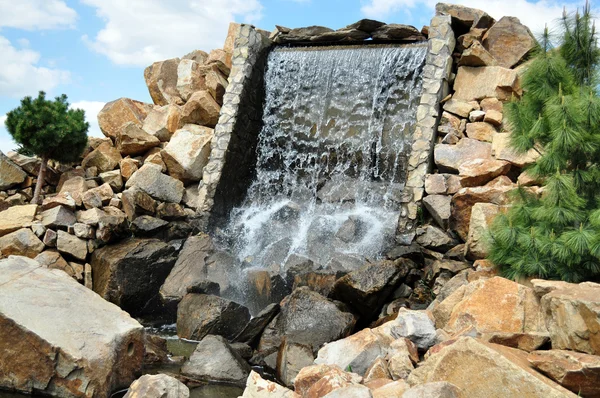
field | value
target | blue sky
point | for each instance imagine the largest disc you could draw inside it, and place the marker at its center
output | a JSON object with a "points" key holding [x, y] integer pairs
{"points": [[96, 50]]}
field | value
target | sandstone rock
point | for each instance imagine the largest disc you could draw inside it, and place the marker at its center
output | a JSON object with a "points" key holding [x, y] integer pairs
{"points": [[197, 55], [575, 371], [16, 217], [482, 216], [450, 124], [97, 197], [465, 17], [300, 313], [488, 81], [37, 344], [391, 390], [130, 273], [486, 370], [481, 131], [161, 187], [438, 207], [378, 370], [71, 245], [396, 32], [351, 391], [366, 25], [84, 231], [432, 237], [478, 172], [187, 153], [201, 109], [58, 217], [22, 242], [451, 157], [509, 41], [148, 226], [161, 79], [476, 55], [128, 166], [331, 382], [163, 122], [401, 358], [117, 113], [133, 140], [137, 202], [435, 184], [291, 358], [257, 387], [190, 78], [114, 179], [517, 312], [440, 389], [214, 360], [221, 59], [493, 117], [157, 386], [310, 375], [10, 173], [572, 316], [367, 288], [502, 150], [460, 108], [104, 158], [53, 260], [199, 315], [523, 341], [74, 187], [216, 84], [232, 32], [50, 238], [62, 199]]}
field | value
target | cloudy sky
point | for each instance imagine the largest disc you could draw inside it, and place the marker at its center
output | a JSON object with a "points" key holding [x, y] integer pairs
{"points": [[96, 50]]}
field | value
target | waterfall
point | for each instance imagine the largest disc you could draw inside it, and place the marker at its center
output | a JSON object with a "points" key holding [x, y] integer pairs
{"points": [[332, 156]]}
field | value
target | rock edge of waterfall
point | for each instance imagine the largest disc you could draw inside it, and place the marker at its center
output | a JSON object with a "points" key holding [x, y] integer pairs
{"points": [[127, 238]]}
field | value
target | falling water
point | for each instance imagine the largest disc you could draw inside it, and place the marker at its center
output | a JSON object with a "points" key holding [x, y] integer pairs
{"points": [[332, 156]]}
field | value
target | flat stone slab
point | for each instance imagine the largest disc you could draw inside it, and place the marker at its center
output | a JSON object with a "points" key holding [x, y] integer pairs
{"points": [[60, 338]]}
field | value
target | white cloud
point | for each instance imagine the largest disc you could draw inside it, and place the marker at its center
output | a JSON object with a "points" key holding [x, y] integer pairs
{"points": [[20, 75], [140, 32], [36, 14], [533, 14], [91, 108], [6, 142]]}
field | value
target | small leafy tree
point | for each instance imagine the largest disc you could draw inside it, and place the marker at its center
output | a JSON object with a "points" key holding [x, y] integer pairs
{"points": [[556, 236], [48, 129]]}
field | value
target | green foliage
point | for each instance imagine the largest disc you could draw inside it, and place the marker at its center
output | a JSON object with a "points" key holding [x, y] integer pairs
{"points": [[48, 129], [557, 235]]}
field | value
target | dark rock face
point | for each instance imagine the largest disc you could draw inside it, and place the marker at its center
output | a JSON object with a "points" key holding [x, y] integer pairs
{"points": [[397, 32], [308, 318], [367, 288], [366, 25], [130, 273], [199, 315], [257, 324], [215, 360]]}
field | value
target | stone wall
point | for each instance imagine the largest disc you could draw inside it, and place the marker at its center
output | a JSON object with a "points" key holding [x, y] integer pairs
{"points": [[229, 170]]}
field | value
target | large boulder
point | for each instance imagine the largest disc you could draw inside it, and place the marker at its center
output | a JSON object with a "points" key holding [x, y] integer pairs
{"points": [[474, 84], [257, 387], [74, 345], [10, 173], [188, 151], [439, 389], [396, 32], [509, 41], [486, 370], [71, 245], [74, 187], [163, 122], [104, 158], [201, 109], [452, 157], [22, 242], [572, 314], [575, 371], [199, 315], [502, 150], [482, 217], [16, 217], [308, 318], [117, 113], [157, 386], [479, 172], [257, 324], [465, 17], [439, 207], [191, 77], [161, 79], [136, 202], [291, 358], [150, 179], [130, 273], [416, 326], [133, 140], [214, 360], [518, 311]]}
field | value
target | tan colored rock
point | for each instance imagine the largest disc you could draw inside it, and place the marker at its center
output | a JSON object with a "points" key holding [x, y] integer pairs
{"points": [[53, 260], [75, 187], [62, 199], [575, 371], [450, 157], [465, 17], [517, 312], [291, 358], [113, 179], [128, 166], [439, 208], [163, 122], [491, 104], [478, 172], [10, 173], [232, 33], [202, 109], [187, 153], [221, 59], [257, 387], [449, 124], [440, 389], [137, 202], [154, 156], [572, 316], [22, 242], [157, 386], [377, 370], [197, 55], [133, 140], [435, 184], [104, 158], [161, 79], [38, 349], [493, 117], [502, 150], [523, 341], [310, 375], [481, 131], [330, 383], [488, 81], [16, 217], [160, 186], [460, 108], [71, 245], [395, 389], [509, 41], [97, 197], [117, 113], [482, 217], [486, 370], [216, 84], [476, 55]]}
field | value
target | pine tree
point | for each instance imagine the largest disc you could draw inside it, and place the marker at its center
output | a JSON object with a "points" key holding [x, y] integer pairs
{"points": [[48, 129], [557, 235]]}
